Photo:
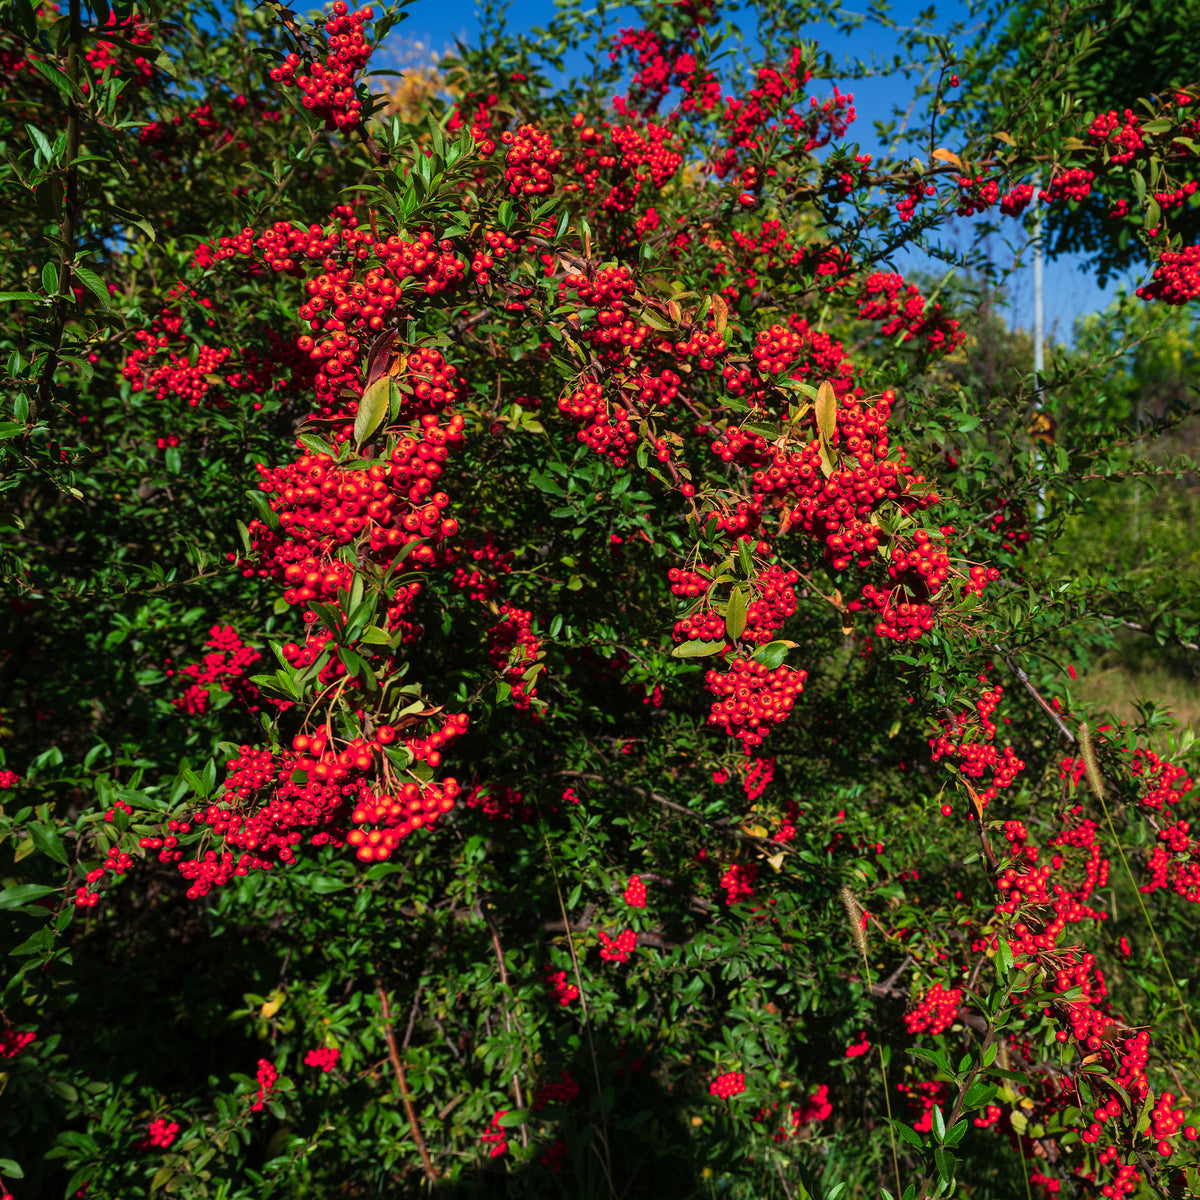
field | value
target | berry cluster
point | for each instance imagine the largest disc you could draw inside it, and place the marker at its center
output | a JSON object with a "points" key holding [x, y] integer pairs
{"points": [[976, 195], [588, 406], [564, 992], [725, 1087], [617, 949], [117, 863], [530, 161], [227, 664], [13, 1041], [329, 87], [635, 892], [515, 651], [558, 1091], [738, 882], [935, 1011], [160, 1135], [325, 1057], [267, 1076], [975, 759], [752, 699], [495, 1136], [1073, 183]]}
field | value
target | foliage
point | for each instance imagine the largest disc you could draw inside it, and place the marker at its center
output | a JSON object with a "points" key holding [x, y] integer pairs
{"points": [[536, 663]]}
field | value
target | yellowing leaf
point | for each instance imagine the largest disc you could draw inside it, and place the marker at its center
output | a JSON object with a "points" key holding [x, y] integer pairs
{"points": [[720, 314], [371, 409], [826, 411], [948, 156], [273, 1003]]}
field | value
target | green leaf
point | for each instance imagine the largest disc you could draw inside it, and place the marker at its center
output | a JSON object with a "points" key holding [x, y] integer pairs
{"points": [[955, 1134], [37, 943], [697, 649], [735, 614], [1004, 955], [939, 1124], [908, 1134], [773, 653], [93, 283], [24, 893], [980, 1092], [46, 839], [23, 297], [763, 431], [10, 1168], [40, 140], [946, 1163]]}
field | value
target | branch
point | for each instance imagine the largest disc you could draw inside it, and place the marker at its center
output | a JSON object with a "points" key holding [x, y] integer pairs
{"points": [[1046, 707], [402, 1082]]}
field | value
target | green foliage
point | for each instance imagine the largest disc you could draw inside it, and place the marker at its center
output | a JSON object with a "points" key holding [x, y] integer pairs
{"points": [[833, 923]]}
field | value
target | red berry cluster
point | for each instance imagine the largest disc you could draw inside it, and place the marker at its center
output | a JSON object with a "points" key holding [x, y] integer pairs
{"points": [[514, 651], [117, 863], [1074, 183], [977, 758], [976, 195], [480, 581], [738, 882], [179, 375], [836, 508], [916, 191], [495, 1136], [227, 664], [501, 803], [1165, 1121], [588, 405], [329, 87], [617, 949], [1119, 133], [1017, 199], [1175, 863], [935, 1011], [725, 1087], [558, 1091], [924, 1097], [530, 162], [564, 992], [752, 699], [13, 1041], [635, 892], [758, 775], [325, 1057], [267, 1076], [1170, 783], [160, 1135], [900, 306], [1176, 278]]}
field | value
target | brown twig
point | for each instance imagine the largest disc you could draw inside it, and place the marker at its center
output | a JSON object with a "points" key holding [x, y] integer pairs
{"points": [[499, 950], [1046, 707], [402, 1082]]}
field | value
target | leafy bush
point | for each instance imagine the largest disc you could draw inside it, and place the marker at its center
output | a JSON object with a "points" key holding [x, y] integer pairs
{"points": [[536, 662]]}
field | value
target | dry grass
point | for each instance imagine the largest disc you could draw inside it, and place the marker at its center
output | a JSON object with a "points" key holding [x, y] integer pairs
{"points": [[1118, 682]]}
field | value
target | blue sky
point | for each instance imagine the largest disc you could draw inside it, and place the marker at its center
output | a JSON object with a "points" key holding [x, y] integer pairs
{"points": [[1070, 293]]}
